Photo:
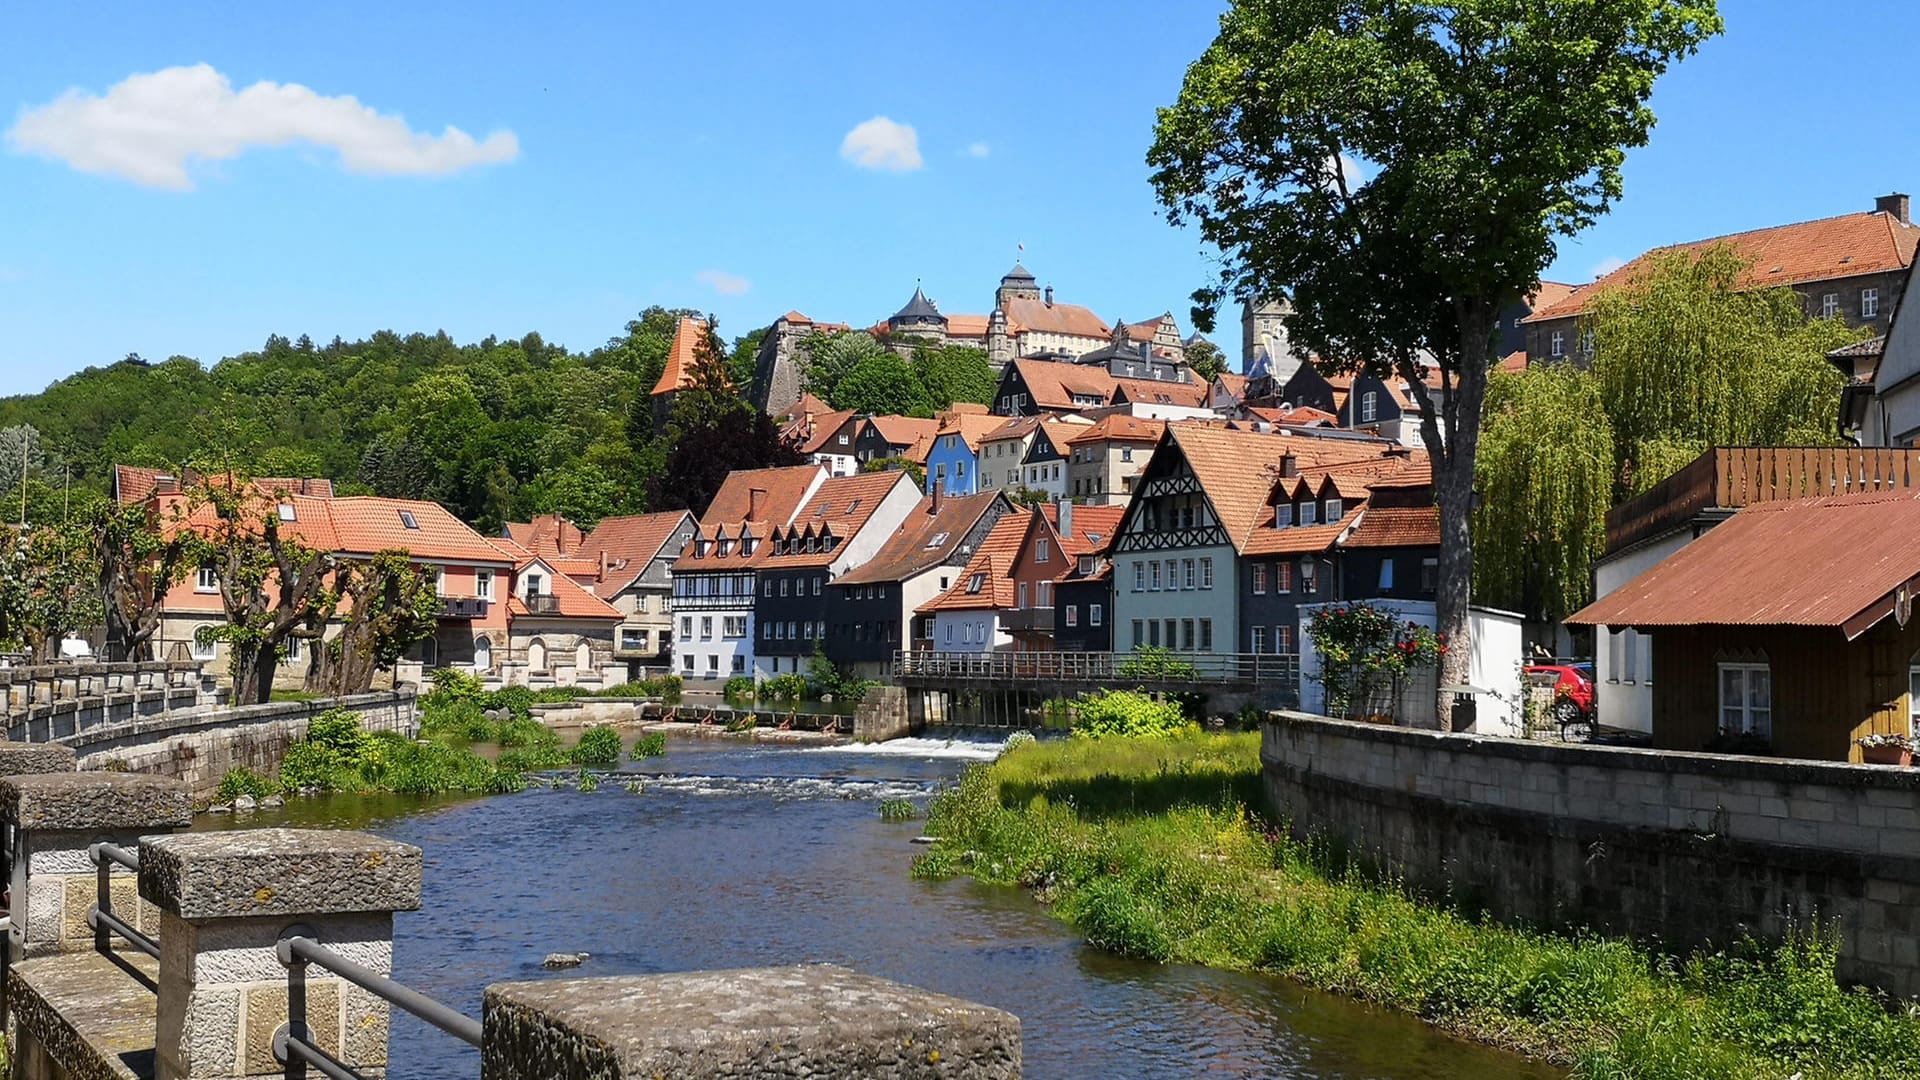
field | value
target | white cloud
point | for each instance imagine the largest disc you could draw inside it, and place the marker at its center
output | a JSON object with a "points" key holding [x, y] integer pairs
{"points": [[724, 283], [1607, 266], [147, 127], [978, 149], [880, 143]]}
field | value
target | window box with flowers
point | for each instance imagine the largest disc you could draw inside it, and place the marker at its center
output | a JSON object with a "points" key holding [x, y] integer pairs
{"points": [[1886, 749]]}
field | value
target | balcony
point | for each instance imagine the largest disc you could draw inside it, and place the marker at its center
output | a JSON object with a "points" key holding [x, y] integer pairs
{"points": [[463, 607], [1036, 620], [542, 603]]}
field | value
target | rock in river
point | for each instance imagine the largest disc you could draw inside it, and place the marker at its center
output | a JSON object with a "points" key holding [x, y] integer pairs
{"points": [[558, 960]]}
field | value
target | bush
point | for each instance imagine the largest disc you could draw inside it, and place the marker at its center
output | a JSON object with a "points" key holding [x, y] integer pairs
{"points": [[451, 685], [897, 810], [788, 687], [1155, 662], [739, 688], [337, 755], [244, 781], [652, 744], [597, 746], [1126, 713], [666, 686]]}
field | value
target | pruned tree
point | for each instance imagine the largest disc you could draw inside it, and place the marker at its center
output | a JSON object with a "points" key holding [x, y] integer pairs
{"points": [[1488, 128], [273, 586], [386, 605], [46, 588], [136, 559]]}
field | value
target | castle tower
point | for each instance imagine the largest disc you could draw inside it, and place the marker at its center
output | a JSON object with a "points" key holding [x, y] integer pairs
{"points": [[1263, 329], [999, 340], [1018, 284], [919, 319]]}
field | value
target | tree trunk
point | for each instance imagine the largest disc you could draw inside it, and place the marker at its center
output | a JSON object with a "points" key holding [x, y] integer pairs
{"points": [[1453, 476], [253, 675]]}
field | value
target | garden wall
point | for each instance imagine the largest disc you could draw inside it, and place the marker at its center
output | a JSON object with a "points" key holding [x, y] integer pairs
{"points": [[1687, 849]]}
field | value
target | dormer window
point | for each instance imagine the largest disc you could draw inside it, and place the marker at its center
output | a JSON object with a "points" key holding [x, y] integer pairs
{"points": [[726, 548], [1282, 515], [1369, 406], [1086, 564], [701, 548], [1333, 508], [1309, 513], [939, 538]]}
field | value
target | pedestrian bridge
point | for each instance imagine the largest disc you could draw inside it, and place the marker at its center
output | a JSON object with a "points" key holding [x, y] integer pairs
{"points": [[1072, 672]]}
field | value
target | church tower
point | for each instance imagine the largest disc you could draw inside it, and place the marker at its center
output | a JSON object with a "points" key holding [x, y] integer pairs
{"points": [[999, 340], [1263, 331]]}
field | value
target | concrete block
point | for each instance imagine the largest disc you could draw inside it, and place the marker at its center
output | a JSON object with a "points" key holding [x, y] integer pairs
{"points": [[764, 1022], [1800, 833], [1773, 806], [264, 872], [94, 800], [27, 759], [1814, 809]]}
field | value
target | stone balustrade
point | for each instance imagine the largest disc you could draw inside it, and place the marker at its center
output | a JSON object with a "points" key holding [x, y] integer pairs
{"points": [[220, 903]]}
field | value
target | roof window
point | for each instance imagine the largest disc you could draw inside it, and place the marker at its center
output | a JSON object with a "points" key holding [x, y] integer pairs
{"points": [[939, 538], [287, 512], [974, 582], [407, 519], [852, 506]]}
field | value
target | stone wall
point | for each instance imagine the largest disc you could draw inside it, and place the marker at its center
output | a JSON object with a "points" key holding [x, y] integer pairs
{"points": [[199, 746], [1683, 848]]}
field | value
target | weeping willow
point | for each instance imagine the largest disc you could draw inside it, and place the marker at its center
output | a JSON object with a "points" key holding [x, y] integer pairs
{"points": [[1545, 477], [1689, 356]]}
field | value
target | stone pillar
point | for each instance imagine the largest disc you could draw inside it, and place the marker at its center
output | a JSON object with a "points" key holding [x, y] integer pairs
{"points": [[54, 817], [774, 1023], [226, 898]]}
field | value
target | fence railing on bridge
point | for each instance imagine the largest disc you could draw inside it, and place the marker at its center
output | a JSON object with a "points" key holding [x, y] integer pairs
{"points": [[1103, 668]]}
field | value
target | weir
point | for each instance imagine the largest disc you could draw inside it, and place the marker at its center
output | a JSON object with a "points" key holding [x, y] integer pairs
{"points": [[143, 952]]}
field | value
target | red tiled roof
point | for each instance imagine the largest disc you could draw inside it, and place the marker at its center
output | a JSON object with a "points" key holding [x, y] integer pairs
{"points": [[1298, 539], [807, 404], [570, 600], [1120, 427], [678, 373], [1093, 528], [1513, 363], [994, 560], [1235, 385], [630, 543], [903, 430], [912, 547], [1396, 526], [1071, 320], [1053, 384], [841, 506], [1844, 246], [1836, 562], [1236, 469], [971, 427], [812, 435], [359, 525], [547, 534], [133, 484], [1550, 293], [1150, 391], [784, 489], [967, 326]]}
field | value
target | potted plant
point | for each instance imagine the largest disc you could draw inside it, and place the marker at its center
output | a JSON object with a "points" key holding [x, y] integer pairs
{"points": [[1890, 749]]}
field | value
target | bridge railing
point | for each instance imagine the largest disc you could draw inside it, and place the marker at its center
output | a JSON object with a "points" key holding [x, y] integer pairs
{"points": [[1258, 669], [294, 1044]]}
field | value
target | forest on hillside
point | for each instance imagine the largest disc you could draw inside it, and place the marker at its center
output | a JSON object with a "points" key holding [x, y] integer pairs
{"points": [[497, 430]]}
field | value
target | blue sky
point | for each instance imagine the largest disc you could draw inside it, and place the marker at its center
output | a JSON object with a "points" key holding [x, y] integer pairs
{"points": [[693, 156]]}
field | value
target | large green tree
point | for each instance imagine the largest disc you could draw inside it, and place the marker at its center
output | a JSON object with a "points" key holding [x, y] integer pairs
{"points": [[1398, 171], [1687, 360], [831, 356], [1206, 359], [883, 385], [954, 373], [137, 559], [1546, 480]]}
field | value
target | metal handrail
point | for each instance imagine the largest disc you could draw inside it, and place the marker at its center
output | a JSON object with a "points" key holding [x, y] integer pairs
{"points": [[298, 950], [100, 916]]}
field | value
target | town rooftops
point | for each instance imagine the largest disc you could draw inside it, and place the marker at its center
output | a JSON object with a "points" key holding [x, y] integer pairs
{"points": [[1395, 526], [984, 583], [812, 433], [133, 484], [839, 508], [630, 543], [1845, 246], [678, 374], [1192, 395], [570, 600], [750, 503], [1093, 528], [1067, 320], [932, 533], [1056, 385], [919, 307], [1237, 469], [972, 428], [1120, 427], [1842, 561], [360, 525], [546, 534]]}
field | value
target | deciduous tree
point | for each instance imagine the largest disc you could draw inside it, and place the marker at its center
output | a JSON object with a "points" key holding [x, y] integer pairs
{"points": [[1398, 171], [387, 604], [136, 559], [954, 373], [882, 385]]}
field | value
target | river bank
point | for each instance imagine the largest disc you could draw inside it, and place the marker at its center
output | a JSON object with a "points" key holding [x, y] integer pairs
{"points": [[727, 854], [1155, 849]]}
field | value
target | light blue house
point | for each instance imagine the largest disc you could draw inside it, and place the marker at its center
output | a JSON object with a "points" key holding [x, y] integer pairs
{"points": [[954, 460]]}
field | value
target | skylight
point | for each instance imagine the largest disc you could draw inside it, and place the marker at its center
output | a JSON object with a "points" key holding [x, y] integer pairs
{"points": [[286, 512], [938, 539], [852, 506], [406, 519], [974, 582]]}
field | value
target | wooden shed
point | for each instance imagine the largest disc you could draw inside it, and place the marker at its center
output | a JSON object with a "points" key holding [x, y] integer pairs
{"points": [[1786, 628]]}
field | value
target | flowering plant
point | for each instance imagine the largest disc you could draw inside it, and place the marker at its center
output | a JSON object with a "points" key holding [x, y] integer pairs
{"points": [[1904, 742], [1365, 651]]}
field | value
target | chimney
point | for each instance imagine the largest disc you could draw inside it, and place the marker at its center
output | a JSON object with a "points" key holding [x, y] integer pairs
{"points": [[603, 565], [1066, 519], [1289, 466], [165, 485], [756, 503], [1895, 204], [939, 486], [1049, 296]]}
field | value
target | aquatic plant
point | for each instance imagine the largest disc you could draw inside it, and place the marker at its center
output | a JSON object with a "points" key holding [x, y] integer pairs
{"points": [[898, 810], [597, 746], [244, 781], [589, 783], [738, 688], [1149, 848], [652, 744]]}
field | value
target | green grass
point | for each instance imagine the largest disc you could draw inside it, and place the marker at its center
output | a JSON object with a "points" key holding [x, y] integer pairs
{"points": [[1148, 848]]}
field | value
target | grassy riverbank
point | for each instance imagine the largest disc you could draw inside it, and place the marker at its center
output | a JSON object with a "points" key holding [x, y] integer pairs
{"points": [[1152, 848]]}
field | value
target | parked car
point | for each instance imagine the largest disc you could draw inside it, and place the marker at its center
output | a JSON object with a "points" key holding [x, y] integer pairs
{"points": [[1572, 694]]}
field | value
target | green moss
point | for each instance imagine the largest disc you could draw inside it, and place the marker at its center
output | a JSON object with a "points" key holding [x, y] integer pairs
{"points": [[1148, 848]]}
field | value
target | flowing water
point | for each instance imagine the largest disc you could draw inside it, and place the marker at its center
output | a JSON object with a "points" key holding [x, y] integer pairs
{"points": [[738, 855]]}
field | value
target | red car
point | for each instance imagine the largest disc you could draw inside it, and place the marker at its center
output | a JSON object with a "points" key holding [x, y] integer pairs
{"points": [[1572, 692]]}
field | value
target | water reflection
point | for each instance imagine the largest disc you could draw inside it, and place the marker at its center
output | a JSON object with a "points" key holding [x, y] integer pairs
{"points": [[737, 855]]}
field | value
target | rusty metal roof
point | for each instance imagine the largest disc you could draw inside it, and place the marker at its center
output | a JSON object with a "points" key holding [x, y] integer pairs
{"points": [[1836, 561]]}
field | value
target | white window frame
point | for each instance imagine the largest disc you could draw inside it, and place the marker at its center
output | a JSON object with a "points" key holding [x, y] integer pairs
{"points": [[206, 580], [1750, 718], [1257, 643], [1559, 343], [1369, 406], [1829, 305], [202, 650], [1206, 573], [1869, 303], [483, 586], [1073, 615], [1139, 576], [1283, 515], [1259, 571], [1095, 613]]}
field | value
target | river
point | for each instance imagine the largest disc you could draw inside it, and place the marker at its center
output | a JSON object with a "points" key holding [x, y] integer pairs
{"points": [[737, 855]]}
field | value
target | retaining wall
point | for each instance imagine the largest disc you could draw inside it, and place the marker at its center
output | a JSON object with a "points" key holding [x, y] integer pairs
{"points": [[1687, 849], [200, 745]]}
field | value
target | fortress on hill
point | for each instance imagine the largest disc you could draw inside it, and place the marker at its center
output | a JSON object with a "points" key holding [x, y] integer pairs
{"points": [[1025, 323]]}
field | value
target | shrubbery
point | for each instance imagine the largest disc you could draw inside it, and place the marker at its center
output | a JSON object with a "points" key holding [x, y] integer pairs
{"points": [[739, 688], [597, 746], [338, 755], [1126, 712], [652, 744], [1155, 662], [789, 687], [244, 781]]}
